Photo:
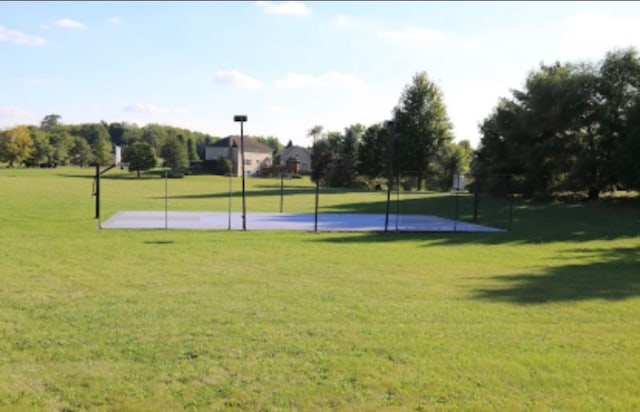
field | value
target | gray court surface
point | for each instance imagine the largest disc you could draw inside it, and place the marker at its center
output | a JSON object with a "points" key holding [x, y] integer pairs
{"points": [[327, 222]]}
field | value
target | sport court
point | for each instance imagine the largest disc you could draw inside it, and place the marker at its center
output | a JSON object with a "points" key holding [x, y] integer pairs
{"points": [[327, 222]]}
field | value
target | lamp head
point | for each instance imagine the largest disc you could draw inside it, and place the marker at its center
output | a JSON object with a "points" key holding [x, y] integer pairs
{"points": [[240, 118]]}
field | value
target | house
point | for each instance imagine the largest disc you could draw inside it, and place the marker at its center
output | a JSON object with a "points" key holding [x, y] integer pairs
{"points": [[296, 158], [256, 154]]}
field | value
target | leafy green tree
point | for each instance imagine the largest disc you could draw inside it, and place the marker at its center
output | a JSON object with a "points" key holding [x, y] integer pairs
{"points": [[156, 135], [568, 129], [191, 150], [422, 125], [102, 151], [62, 141], [16, 145], [140, 156], [628, 151], [450, 159], [50, 122], [174, 154], [321, 160], [117, 133], [373, 152], [346, 157], [81, 153], [43, 150], [271, 141], [618, 89]]}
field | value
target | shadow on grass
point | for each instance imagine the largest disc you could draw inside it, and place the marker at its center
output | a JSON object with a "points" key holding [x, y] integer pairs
{"points": [[153, 174], [532, 222], [615, 276]]}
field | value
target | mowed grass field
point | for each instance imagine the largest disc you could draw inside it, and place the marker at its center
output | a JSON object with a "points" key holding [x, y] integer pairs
{"points": [[544, 317]]}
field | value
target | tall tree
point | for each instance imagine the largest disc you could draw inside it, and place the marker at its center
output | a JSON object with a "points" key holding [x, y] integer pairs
{"points": [[345, 169], [321, 160], [422, 125], [102, 151], [43, 150], [16, 145], [618, 87], [81, 153], [140, 157], [315, 132], [567, 130], [50, 122], [374, 151], [628, 151], [174, 154]]}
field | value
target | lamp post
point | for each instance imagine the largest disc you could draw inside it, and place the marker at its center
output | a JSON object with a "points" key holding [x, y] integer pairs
{"points": [[390, 124], [242, 118]]}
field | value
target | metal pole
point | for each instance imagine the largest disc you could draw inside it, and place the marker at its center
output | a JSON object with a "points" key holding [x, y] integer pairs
{"points": [[230, 182], [455, 221], [281, 192], [476, 195], [315, 226], [97, 193], [510, 197], [166, 204], [397, 200], [244, 204], [390, 177]]}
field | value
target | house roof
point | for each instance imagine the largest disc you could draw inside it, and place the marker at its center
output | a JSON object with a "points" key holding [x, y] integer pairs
{"points": [[293, 151], [250, 144]]}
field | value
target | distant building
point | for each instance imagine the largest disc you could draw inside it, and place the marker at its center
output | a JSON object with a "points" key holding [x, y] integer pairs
{"points": [[297, 159], [256, 154]]}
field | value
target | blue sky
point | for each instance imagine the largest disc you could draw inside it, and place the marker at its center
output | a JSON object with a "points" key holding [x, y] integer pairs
{"points": [[287, 65]]}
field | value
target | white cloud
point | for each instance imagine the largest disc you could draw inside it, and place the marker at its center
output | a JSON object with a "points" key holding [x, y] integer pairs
{"points": [[20, 38], [423, 35], [291, 8], [329, 79], [70, 24], [343, 22], [115, 20], [155, 110], [236, 79], [591, 34]]}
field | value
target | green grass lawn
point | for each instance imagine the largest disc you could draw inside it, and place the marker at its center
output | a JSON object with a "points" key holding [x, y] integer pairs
{"points": [[544, 317]]}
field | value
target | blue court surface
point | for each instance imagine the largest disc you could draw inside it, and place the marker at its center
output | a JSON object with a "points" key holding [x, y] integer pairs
{"points": [[327, 222]]}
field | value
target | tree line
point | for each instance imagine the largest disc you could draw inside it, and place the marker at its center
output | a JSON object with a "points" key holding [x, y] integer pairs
{"points": [[53, 143], [574, 127], [416, 143]]}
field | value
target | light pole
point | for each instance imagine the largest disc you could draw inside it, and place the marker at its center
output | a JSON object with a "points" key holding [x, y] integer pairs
{"points": [[390, 124], [242, 118]]}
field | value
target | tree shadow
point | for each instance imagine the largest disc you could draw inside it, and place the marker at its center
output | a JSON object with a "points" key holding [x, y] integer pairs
{"points": [[152, 175], [615, 276], [531, 223]]}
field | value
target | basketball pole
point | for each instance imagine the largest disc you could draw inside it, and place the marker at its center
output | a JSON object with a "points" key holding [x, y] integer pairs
{"points": [[97, 192], [96, 189]]}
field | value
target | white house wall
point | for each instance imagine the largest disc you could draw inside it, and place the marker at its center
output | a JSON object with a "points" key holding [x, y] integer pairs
{"points": [[254, 161]]}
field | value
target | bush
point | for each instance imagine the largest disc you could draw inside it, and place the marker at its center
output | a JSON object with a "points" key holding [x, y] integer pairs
{"points": [[176, 174]]}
